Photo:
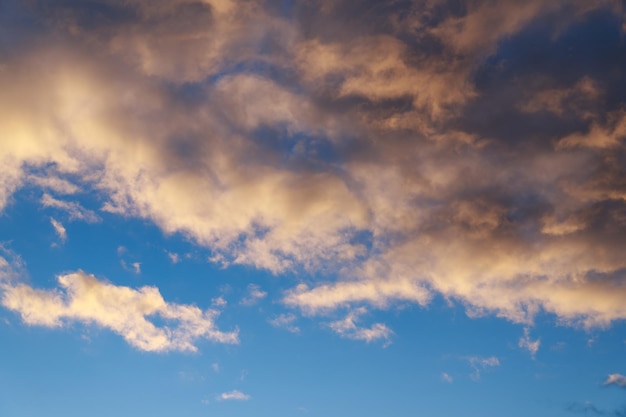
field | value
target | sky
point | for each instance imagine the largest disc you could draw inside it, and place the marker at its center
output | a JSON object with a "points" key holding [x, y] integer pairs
{"points": [[312, 208]]}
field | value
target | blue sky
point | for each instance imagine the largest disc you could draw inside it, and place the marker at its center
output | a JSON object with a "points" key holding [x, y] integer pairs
{"points": [[315, 208]]}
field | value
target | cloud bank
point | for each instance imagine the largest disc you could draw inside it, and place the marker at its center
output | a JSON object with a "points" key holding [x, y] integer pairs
{"points": [[400, 154]]}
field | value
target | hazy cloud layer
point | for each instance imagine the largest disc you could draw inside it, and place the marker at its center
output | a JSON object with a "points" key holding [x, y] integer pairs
{"points": [[413, 149], [126, 311]]}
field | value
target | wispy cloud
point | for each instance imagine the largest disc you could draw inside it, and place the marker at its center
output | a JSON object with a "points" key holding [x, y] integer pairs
{"points": [[255, 294], [59, 229], [72, 208], [174, 257], [479, 364], [525, 342], [234, 395], [126, 311], [616, 379], [134, 267], [588, 408], [446, 377], [54, 183], [285, 321], [348, 328]]}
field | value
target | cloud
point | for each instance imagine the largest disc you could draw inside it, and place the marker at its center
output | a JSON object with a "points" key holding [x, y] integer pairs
{"points": [[233, 395], [616, 379], [255, 294], [73, 209], [219, 301], [446, 378], [480, 364], [285, 321], [59, 229], [126, 311], [385, 158], [532, 346], [375, 291], [56, 184], [134, 267], [174, 257], [588, 408], [349, 329]]}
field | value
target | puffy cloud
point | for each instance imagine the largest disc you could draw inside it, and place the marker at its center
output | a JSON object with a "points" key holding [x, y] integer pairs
{"points": [[126, 311], [234, 395]]}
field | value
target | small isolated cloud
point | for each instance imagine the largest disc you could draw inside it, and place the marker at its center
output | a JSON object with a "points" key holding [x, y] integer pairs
{"points": [[480, 364], [72, 208], [174, 257], [446, 377], [254, 295], [525, 342], [348, 328], [215, 366], [218, 301], [59, 229], [285, 321], [134, 267], [616, 379], [234, 395], [84, 299]]}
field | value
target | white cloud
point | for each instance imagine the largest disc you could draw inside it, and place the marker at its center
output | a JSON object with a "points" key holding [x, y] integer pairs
{"points": [[348, 328], [525, 342], [126, 311], [233, 395], [254, 295], [379, 292], [285, 321], [616, 379], [446, 377], [59, 229], [73, 209]]}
